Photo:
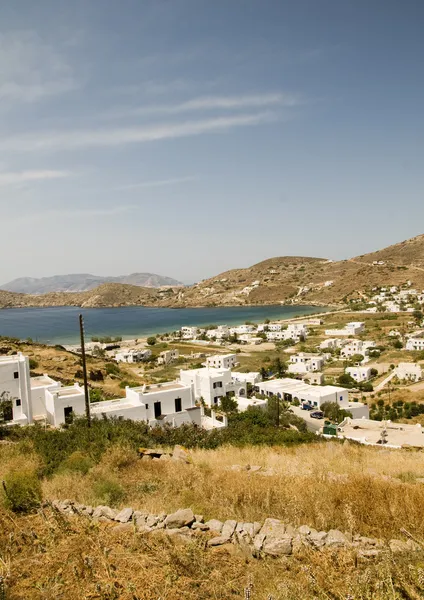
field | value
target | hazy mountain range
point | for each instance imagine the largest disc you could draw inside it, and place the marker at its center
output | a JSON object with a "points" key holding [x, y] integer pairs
{"points": [[82, 282]]}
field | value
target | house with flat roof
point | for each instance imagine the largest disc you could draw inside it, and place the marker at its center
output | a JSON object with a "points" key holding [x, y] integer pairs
{"points": [[15, 384], [312, 395], [382, 433], [222, 361], [212, 384], [304, 362], [359, 373]]}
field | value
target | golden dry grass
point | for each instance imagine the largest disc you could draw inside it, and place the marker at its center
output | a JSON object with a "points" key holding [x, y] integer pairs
{"points": [[364, 490], [50, 557]]}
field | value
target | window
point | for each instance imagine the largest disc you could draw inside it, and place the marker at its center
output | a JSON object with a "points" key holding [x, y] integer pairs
{"points": [[16, 375], [178, 406], [18, 402], [147, 407], [217, 384], [215, 400]]}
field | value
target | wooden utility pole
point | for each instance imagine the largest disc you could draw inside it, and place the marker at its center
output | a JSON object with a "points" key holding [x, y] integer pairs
{"points": [[84, 370]]}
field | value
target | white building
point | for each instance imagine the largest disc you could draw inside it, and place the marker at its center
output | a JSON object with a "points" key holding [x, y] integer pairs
{"points": [[244, 403], [167, 356], [409, 371], [369, 432], [305, 363], [189, 333], [415, 343], [15, 381], [352, 328], [63, 403], [133, 356], [359, 373], [356, 347], [291, 389], [212, 384], [245, 378], [332, 344], [222, 361], [269, 327], [39, 386], [273, 336], [296, 331], [240, 329]]}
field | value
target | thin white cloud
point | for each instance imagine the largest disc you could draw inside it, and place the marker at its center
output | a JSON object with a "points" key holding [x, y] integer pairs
{"points": [[78, 213], [72, 140], [205, 103], [18, 177], [31, 70], [157, 183]]}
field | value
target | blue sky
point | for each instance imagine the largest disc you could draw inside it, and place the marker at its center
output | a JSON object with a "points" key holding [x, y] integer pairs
{"points": [[187, 137]]}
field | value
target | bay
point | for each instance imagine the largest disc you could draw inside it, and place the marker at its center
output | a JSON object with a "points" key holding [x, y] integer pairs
{"points": [[59, 325]]}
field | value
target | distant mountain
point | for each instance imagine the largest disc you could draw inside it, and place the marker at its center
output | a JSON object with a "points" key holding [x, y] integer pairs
{"points": [[82, 282]]}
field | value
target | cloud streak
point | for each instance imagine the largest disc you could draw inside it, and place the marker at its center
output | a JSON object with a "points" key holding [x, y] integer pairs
{"points": [[97, 138], [158, 183], [78, 213], [209, 103], [18, 177]]}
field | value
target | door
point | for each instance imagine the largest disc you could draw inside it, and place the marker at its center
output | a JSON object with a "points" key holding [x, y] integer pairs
{"points": [[158, 409], [68, 413], [178, 407]]}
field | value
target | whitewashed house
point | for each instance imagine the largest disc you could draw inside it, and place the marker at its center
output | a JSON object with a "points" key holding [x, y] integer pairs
{"points": [[189, 333], [63, 403], [15, 382], [305, 363], [212, 384], [168, 356], [133, 356], [222, 361], [245, 378], [296, 331], [240, 329], [415, 343], [39, 386], [409, 371], [315, 396], [359, 373], [269, 327], [357, 347], [220, 333], [332, 344], [352, 328]]}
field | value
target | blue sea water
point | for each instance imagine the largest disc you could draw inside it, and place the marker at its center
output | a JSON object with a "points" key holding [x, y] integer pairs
{"points": [[59, 325]]}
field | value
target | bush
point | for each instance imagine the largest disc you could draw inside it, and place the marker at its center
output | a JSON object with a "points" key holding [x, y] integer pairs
{"points": [[112, 369], [22, 491], [151, 340], [77, 462], [33, 364], [96, 375], [108, 492]]}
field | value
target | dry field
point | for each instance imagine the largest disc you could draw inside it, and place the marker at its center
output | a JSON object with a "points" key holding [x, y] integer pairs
{"points": [[327, 485]]}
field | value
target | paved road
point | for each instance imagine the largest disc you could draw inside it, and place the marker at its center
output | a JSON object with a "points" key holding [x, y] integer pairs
{"points": [[312, 424]]}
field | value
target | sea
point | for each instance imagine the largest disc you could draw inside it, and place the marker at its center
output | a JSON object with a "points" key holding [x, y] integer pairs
{"points": [[60, 325]]}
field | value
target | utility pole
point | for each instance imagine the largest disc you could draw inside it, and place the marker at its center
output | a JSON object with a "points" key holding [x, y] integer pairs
{"points": [[84, 370], [278, 411]]}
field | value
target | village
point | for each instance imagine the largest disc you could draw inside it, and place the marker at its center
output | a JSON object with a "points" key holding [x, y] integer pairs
{"points": [[360, 379]]}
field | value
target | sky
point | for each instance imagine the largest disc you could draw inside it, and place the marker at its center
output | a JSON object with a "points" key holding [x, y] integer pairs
{"points": [[188, 137]]}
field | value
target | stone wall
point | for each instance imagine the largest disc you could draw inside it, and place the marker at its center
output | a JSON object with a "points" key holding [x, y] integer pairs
{"points": [[271, 538]]}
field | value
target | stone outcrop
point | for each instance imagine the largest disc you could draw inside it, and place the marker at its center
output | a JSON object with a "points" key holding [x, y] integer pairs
{"points": [[271, 538]]}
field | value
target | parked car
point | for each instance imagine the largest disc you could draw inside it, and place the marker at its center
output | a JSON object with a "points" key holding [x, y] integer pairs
{"points": [[317, 414], [305, 407]]}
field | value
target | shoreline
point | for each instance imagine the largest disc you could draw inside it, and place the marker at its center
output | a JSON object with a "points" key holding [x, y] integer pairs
{"points": [[132, 321]]}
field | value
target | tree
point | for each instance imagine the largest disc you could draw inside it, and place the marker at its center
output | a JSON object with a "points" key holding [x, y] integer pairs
{"points": [[418, 316], [267, 321], [228, 404], [374, 372], [6, 407], [279, 367], [151, 341], [263, 372], [346, 380], [333, 412]]}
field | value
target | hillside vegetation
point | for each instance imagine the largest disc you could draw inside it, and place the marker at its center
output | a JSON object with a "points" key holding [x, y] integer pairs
{"points": [[373, 492], [289, 279]]}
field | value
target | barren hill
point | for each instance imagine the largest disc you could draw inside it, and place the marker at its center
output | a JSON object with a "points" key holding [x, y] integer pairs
{"points": [[81, 282], [286, 279]]}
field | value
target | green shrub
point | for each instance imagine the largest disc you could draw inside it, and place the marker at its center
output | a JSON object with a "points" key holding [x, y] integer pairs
{"points": [[22, 491], [108, 492], [112, 369], [33, 364], [77, 462]]}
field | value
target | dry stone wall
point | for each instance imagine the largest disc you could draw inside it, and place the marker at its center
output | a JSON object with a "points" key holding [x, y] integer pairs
{"points": [[271, 538]]}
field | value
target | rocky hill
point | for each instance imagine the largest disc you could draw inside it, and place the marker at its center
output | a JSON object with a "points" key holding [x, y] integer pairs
{"points": [[287, 279], [82, 282]]}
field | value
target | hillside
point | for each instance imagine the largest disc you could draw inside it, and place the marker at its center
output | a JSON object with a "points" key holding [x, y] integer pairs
{"points": [[287, 279], [82, 282]]}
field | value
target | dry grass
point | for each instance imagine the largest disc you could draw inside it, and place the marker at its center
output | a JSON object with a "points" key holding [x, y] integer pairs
{"points": [[48, 556], [365, 490]]}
